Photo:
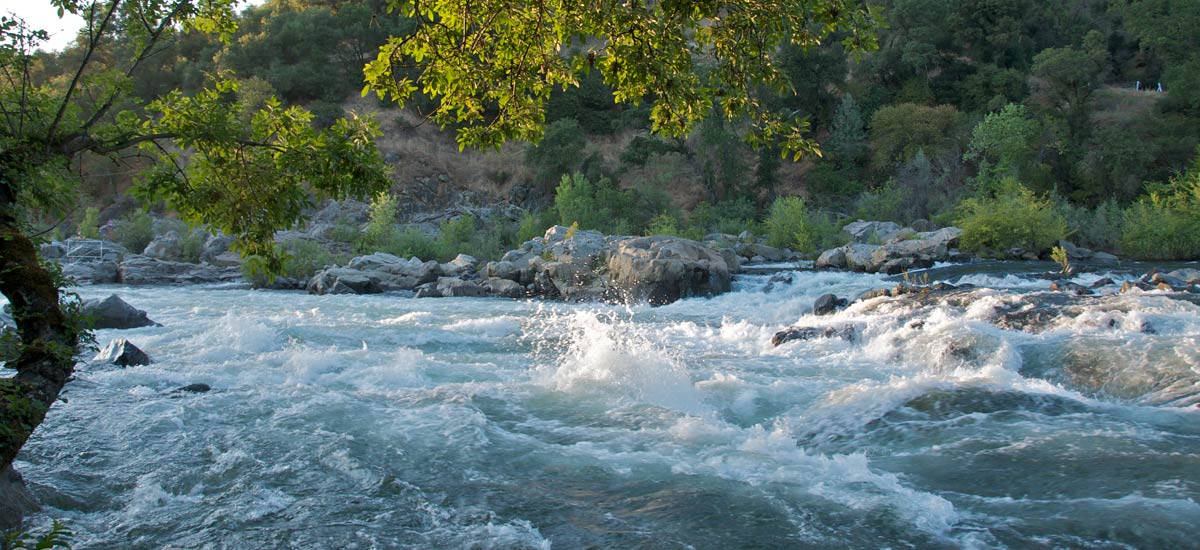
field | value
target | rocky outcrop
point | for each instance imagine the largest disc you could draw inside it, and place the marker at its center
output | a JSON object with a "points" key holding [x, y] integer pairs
{"points": [[113, 312], [867, 231], [373, 274], [91, 273], [904, 250], [564, 264], [142, 270], [122, 352], [661, 270], [168, 246]]}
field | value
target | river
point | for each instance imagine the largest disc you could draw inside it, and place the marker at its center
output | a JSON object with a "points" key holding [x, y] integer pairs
{"points": [[372, 422]]}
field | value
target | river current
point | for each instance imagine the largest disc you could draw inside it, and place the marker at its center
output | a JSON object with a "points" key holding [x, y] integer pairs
{"points": [[375, 422]]}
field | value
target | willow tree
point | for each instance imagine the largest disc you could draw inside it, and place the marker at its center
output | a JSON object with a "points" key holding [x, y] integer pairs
{"points": [[492, 64], [247, 176]]}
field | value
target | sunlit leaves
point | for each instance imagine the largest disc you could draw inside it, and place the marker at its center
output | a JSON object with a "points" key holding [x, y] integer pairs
{"points": [[251, 179], [491, 65]]}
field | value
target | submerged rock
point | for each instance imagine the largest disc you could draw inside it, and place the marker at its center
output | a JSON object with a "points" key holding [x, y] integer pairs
{"points": [[113, 312], [192, 388], [846, 332], [122, 352], [827, 303]]}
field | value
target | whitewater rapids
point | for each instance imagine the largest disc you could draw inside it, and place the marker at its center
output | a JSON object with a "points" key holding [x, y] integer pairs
{"points": [[368, 422]]}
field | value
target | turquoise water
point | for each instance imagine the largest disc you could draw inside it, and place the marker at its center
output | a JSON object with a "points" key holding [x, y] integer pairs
{"points": [[388, 422]]}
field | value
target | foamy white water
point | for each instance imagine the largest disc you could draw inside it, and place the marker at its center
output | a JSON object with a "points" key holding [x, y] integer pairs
{"points": [[388, 422]]}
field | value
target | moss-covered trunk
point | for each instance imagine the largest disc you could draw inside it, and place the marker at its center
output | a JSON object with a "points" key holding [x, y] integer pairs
{"points": [[48, 337]]}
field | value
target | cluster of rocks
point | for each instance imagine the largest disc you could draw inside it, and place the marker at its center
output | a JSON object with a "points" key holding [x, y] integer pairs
{"points": [[98, 261], [1028, 312], [565, 264], [901, 249]]}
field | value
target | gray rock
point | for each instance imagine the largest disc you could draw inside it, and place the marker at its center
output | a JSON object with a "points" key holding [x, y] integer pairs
{"points": [[454, 287], [896, 257], [53, 250], [845, 332], [1099, 256], [832, 258], [193, 388], [141, 270], [946, 236], [215, 249], [122, 352], [113, 312], [858, 256], [427, 290], [863, 231], [93, 250], [503, 270], [344, 280], [766, 253], [94, 273], [228, 258], [167, 246], [732, 260], [661, 270], [1187, 276], [745, 237], [827, 303], [460, 266], [505, 288]]}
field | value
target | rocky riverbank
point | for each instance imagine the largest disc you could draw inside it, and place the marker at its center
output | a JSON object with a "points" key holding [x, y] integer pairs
{"points": [[566, 264]]}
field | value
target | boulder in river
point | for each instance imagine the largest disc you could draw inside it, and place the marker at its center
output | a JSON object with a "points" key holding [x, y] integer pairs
{"points": [[504, 288], [113, 312], [827, 303], [845, 332], [661, 270], [192, 388], [122, 352]]}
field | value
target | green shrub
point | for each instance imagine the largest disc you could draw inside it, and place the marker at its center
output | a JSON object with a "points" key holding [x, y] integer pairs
{"points": [[882, 203], [307, 257], [790, 224], [135, 231], [381, 232], [1014, 218], [535, 224], [604, 207], [89, 226], [1155, 231], [1098, 228], [192, 245], [345, 232], [1165, 223], [412, 242]]}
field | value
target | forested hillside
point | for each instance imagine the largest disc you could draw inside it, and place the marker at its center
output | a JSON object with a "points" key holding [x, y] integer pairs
{"points": [[1088, 109]]}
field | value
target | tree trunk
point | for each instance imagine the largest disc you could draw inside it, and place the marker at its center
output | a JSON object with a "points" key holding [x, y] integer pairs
{"points": [[48, 337]]}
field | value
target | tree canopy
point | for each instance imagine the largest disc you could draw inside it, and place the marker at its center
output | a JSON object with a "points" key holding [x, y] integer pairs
{"points": [[493, 65]]}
